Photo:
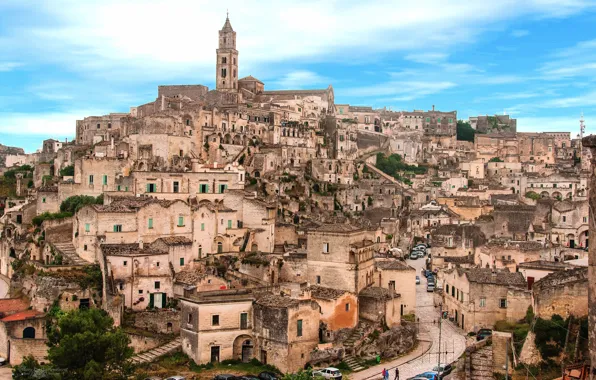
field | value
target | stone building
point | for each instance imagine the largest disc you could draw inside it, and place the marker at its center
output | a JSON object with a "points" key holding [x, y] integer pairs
{"points": [[339, 310], [563, 292], [493, 124], [477, 298], [399, 278], [22, 331]]}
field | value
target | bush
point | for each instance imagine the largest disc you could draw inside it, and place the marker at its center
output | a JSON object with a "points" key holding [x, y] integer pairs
{"points": [[67, 171], [465, 132], [532, 195], [76, 202], [39, 219]]}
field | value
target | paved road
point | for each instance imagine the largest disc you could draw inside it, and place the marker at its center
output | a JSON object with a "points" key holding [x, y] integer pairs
{"points": [[453, 341]]}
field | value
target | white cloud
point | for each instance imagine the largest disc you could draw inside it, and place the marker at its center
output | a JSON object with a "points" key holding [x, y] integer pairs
{"points": [[300, 79], [517, 33], [553, 124], [426, 57], [137, 39], [59, 124], [9, 66], [399, 90]]}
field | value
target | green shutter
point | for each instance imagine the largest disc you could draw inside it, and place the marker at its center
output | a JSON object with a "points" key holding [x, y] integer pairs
{"points": [[147, 188], [229, 224], [182, 261], [202, 226], [206, 188], [150, 223], [180, 221], [163, 300], [151, 300]]}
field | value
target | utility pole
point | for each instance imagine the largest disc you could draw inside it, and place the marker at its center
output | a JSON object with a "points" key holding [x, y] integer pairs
{"points": [[440, 323]]}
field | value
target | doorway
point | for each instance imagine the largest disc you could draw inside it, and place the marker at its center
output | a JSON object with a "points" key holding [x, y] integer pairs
{"points": [[214, 354], [263, 356], [246, 351]]}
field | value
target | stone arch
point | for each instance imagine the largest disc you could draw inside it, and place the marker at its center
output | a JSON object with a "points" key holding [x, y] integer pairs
{"points": [[29, 333], [219, 247], [557, 195], [569, 195], [141, 166], [13, 253], [544, 195], [243, 348], [254, 247], [257, 174], [237, 140], [227, 139]]}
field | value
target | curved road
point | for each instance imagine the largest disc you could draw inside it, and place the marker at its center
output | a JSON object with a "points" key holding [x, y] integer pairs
{"points": [[453, 340]]}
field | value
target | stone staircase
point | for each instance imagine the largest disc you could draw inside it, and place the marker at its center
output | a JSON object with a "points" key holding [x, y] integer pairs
{"points": [[356, 335], [69, 254], [156, 353], [482, 364], [353, 363]]}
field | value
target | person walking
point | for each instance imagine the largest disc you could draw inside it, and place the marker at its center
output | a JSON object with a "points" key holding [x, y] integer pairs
{"points": [[396, 373], [385, 377]]}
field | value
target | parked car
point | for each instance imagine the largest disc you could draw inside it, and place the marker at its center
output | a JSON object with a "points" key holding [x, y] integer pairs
{"points": [[443, 369], [428, 375], [417, 280], [152, 378], [248, 377], [430, 287], [176, 378], [224, 376], [413, 255], [268, 376], [328, 373], [483, 334]]}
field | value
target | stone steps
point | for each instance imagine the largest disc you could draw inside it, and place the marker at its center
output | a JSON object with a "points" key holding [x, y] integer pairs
{"points": [[157, 352], [353, 363], [69, 253]]}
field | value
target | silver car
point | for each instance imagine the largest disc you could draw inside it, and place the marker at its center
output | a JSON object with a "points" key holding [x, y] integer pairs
{"points": [[328, 373]]}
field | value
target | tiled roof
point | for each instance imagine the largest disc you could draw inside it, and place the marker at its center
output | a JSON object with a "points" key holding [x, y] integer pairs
{"points": [[393, 265], [189, 277], [12, 305], [545, 265], [129, 250], [326, 293], [176, 240], [339, 227], [378, 293], [487, 276], [21, 316], [273, 300]]}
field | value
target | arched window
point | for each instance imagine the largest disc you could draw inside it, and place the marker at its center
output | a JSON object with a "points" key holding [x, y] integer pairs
{"points": [[219, 247], [29, 333]]}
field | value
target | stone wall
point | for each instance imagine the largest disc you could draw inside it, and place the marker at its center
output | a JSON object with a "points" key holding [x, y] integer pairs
{"points": [[161, 321], [501, 351], [565, 299], [19, 348], [142, 343]]}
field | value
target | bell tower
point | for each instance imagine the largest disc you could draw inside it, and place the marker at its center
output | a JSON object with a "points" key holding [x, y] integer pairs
{"points": [[227, 59]]}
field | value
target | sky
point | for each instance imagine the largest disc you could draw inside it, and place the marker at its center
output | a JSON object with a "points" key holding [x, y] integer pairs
{"points": [[63, 60]]}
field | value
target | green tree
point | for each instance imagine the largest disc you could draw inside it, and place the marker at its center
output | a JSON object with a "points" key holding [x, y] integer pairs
{"points": [[465, 132], [84, 344], [67, 171], [495, 159], [76, 202], [31, 369], [532, 195]]}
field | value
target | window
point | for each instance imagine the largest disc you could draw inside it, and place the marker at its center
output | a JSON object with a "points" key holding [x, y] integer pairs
{"points": [[318, 279], [243, 321], [229, 224], [202, 226], [447, 288], [189, 318], [150, 223], [223, 73], [180, 221], [438, 119], [85, 247], [117, 227], [453, 291], [325, 247], [564, 219], [215, 320], [140, 291], [222, 188], [219, 247], [450, 120], [157, 264], [347, 307], [105, 179], [203, 188], [482, 302], [182, 261], [503, 303], [43, 200], [109, 125], [585, 219], [91, 179], [200, 251], [125, 263], [428, 119], [98, 125], [299, 328], [156, 284], [224, 60], [151, 188], [187, 122], [176, 186]]}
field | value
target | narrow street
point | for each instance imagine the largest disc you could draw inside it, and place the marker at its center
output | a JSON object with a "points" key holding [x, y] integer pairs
{"points": [[453, 341]]}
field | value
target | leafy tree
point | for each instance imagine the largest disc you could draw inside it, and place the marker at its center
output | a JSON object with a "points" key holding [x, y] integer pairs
{"points": [[67, 171], [532, 195], [84, 344], [11, 174], [495, 159], [39, 219], [76, 202], [31, 369], [465, 132]]}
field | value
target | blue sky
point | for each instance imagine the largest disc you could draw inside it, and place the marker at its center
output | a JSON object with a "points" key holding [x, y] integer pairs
{"points": [[63, 60]]}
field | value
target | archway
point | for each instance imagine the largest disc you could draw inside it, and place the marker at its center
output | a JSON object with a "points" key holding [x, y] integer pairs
{"points": [[254, 247], [569, 196], [219, 247], [227, 139], [557, 195], [243, 349], [544, 195], [13, 253], [571, 240], [29, 333]]}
